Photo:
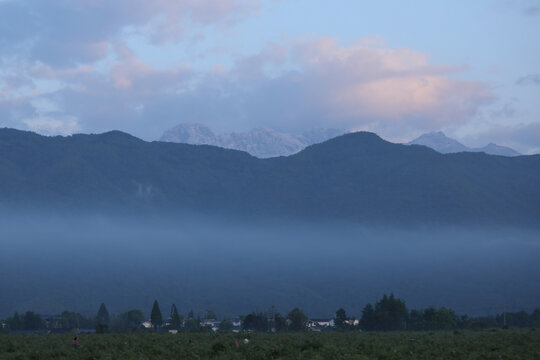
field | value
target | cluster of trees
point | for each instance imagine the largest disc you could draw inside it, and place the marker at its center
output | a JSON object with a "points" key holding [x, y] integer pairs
{"points": [[295, 320], [26, 321], [31, 321], [520, 319], [129, 320], [67, 320], [132, 320], [390, 313], [387, 314]]}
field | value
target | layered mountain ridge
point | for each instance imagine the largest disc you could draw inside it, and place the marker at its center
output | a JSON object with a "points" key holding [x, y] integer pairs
{"points": [[259, 142], [267, 142], [440, 142], [357, 177]]}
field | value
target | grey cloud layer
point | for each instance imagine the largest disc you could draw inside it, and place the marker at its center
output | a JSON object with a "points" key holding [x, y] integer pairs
{"points": [[63, 32], [531, 79], [533, 10]]}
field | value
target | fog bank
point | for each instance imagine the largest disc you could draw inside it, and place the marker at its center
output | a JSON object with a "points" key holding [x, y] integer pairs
{"points": [[49, 263]]}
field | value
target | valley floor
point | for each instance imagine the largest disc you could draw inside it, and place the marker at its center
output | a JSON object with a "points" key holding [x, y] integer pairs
{"points": [[493, 344]]}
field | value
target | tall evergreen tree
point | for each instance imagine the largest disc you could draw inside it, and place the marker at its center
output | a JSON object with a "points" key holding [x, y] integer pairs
{"points": [[103, 317], [15, 323], [155, 316], [176, 320], [340, 322], [369, 318]]}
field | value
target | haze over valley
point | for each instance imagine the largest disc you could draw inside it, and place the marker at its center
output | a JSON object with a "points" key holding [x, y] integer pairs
{"points": [[109, 217], [234, 266], [372, 165]]}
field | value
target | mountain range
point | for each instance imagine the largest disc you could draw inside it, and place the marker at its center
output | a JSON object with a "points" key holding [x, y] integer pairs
{"points": [[260, 142], [267, 143], [356, 176], [440, 142]]}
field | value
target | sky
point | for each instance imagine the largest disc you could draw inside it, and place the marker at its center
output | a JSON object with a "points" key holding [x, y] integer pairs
{"points": [[400, 69]]}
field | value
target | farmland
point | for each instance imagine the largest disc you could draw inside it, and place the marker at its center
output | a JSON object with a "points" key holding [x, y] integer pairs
{"points": [[467, 344]]}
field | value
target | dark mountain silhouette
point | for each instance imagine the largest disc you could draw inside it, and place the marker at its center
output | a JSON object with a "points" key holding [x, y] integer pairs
{"points": [[356, 176]]}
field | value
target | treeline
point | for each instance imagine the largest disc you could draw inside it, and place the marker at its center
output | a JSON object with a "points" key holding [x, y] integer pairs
{"points": [[387, 314], [391, 313], [295, 320], [103, 321], [30, 321]]}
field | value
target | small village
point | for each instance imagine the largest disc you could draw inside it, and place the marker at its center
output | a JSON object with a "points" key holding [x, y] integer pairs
{"points": [[56, 324], [387, 314]]}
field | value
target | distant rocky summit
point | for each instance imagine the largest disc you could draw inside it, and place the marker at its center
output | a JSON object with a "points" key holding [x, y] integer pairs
{"points": [[438, 141], [260, 142]]}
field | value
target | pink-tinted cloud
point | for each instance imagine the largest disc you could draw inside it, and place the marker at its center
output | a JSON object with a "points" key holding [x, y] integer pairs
{"points": [[364, 82], [16, 84], [129, 72], [363, 86], [289, 86]]}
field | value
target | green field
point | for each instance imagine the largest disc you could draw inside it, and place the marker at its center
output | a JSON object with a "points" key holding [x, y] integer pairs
{"points": [[486, 344]]}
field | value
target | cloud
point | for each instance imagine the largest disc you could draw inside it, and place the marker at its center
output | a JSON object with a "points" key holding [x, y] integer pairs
{"points": [[64, 33], [526, 7], [321, 83], [74, 54], [53, 126], [116, 98], [61, 100], [533, 10], [171, 16], [129, 72], [506, 111], [531, 79], [289, 86], [364, 82]]}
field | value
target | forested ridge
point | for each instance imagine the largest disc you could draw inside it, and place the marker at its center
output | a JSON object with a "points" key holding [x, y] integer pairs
{"points": [[358, 176]]}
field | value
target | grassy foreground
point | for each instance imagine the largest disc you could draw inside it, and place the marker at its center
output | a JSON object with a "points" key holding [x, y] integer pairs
{"points": [[487, 344]]}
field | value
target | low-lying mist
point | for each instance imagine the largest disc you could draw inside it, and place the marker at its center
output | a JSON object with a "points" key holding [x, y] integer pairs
{"points": [[50, 263]]}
